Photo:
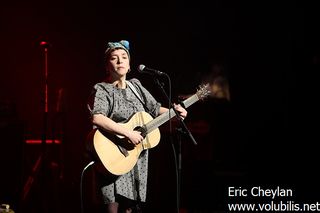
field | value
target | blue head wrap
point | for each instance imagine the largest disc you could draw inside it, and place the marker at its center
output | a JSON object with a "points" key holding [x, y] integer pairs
{"points": [[123, 44]]}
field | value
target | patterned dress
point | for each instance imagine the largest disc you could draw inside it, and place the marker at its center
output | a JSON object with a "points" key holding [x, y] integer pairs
{"points": [[119, 105]]}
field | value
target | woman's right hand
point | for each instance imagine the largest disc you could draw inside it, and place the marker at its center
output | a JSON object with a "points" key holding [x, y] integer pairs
{"points": [[135, 137]]}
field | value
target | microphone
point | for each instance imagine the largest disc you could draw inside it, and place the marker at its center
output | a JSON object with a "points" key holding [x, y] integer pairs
{"points": [[143, 69]]}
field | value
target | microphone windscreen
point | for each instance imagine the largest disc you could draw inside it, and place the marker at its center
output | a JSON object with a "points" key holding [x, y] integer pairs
{"points": [[141, 67]]}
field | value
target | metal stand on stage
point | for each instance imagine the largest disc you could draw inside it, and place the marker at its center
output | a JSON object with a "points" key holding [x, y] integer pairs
{"points": [[182, 130], [41, 170]]}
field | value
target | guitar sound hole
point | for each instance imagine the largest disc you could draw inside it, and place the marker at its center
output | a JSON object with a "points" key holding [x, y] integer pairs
{"points": [[142, 130]]}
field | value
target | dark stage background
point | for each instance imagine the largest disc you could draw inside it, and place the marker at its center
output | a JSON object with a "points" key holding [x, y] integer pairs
{"points": [[264, 136]]}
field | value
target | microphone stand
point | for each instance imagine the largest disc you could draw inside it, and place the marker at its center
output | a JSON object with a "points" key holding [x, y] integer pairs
{"points": [[184, 126], [183, 130], [39, 166], [44, 157]]}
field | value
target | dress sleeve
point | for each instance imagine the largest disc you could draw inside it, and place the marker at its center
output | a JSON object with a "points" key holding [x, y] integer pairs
{"points": [[152, 105], [99, 100]]}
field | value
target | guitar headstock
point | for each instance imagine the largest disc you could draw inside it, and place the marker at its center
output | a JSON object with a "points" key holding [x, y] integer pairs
{"points": [[203, 91]]}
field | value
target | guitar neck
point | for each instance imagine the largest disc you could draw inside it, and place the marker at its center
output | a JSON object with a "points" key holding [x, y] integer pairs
{"points": [[161, 119]]}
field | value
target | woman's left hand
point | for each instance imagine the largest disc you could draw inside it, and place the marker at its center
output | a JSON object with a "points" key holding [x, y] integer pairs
{"points": [[182, 111]]}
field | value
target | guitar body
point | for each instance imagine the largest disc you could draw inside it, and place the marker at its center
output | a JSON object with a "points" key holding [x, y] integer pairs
{"points": [[114, 152]]}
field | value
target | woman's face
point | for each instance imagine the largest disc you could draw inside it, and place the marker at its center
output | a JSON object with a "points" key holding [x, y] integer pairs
{"points": [[118, 63]]}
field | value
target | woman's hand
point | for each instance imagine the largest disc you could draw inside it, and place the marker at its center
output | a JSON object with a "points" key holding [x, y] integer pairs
{"points": [[182, 111], [134, 137]]}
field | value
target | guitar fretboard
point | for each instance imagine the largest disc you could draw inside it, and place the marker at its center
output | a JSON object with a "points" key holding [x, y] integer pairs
{"points": [[161, 119]]}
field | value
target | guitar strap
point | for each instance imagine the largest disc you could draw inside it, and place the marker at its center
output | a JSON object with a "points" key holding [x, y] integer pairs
{"points": [[134, 90]]}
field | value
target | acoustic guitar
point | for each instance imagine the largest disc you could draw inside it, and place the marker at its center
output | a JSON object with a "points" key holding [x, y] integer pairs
{"points": [[116, 155]]}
